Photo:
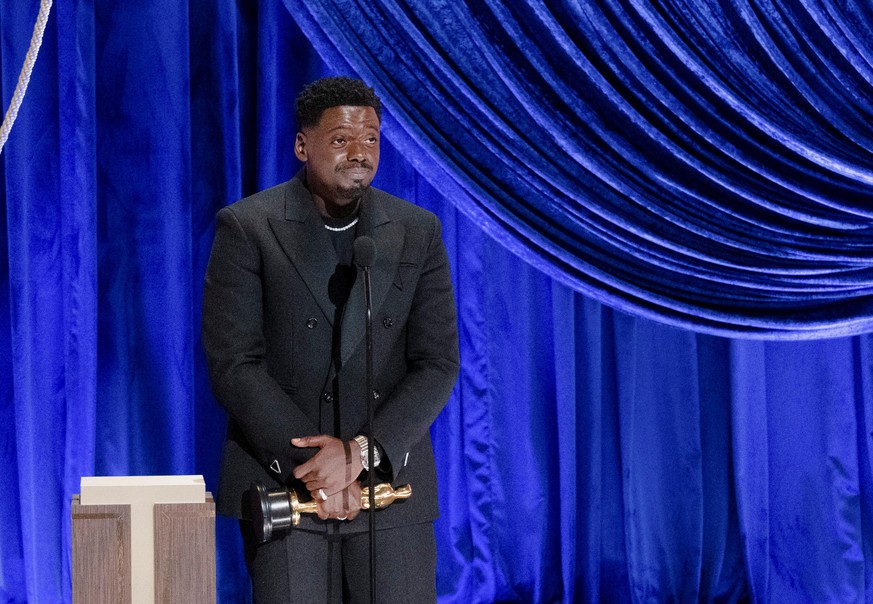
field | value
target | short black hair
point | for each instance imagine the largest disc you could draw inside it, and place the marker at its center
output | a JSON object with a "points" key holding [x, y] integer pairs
{"points": [[333, 92]]}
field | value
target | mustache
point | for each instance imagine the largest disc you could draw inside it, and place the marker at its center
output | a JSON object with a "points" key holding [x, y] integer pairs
{"points": [[353, 165]]}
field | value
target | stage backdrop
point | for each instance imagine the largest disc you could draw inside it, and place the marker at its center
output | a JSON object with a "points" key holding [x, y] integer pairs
{"points": [[640, 200]]}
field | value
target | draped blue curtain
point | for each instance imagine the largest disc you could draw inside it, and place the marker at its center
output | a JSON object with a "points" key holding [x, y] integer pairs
{"points": [[705, 163], [693, 171]]}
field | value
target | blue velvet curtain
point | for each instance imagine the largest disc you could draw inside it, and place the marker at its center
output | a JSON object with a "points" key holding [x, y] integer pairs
{"points": [[589, 452], [705, 163]]}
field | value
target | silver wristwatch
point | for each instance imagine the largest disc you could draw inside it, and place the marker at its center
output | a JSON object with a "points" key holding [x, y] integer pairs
{"points": [[364, 443]]}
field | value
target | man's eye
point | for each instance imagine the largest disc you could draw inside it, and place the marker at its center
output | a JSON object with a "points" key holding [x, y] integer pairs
{"points": [[339, 141]]}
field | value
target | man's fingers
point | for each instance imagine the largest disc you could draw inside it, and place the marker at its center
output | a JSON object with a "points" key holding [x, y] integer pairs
{"points": [[310, 441], [327, 469], [342, 506], [319, 440], [310, 477], [301, 472]]}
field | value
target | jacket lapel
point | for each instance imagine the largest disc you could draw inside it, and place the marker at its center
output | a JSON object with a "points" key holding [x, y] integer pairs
{"points": [[307, 244], [388, 237]]}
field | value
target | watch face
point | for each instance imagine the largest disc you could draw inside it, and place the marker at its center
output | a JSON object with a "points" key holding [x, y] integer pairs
{"points": [[364, 445]]}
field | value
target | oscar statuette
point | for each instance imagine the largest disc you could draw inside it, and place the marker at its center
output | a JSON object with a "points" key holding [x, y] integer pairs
{"points": [[280, 509]]}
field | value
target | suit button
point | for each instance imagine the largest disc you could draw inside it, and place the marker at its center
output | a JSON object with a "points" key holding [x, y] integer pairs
{"points": [[376, 395], [387, 322], [327, 397], [311, 322]]}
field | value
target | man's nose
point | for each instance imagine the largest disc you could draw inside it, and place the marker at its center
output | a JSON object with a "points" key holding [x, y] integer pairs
{"points": [[356, 151]]}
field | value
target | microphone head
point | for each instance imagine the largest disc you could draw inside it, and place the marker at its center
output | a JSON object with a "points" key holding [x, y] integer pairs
{"points": [[365, 251]]}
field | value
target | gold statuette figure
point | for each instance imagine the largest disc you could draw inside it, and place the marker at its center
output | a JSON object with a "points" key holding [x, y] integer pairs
{"points": [[385, 496], [281, 508]]}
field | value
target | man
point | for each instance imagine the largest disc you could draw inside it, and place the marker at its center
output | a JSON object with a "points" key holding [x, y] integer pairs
{"points": [[283, 329]]}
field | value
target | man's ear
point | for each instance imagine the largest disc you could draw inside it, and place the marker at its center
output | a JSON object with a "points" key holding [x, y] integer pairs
{"points": [[300, 147]]}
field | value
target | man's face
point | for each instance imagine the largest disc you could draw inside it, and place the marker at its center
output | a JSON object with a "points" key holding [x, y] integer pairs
{"points": [[341, 154]]}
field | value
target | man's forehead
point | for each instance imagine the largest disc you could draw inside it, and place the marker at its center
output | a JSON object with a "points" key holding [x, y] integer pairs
{"points": [[346, 113]]}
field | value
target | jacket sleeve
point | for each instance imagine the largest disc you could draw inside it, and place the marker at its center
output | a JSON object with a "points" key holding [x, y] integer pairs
{"points": [[234, 343], [432, 359]]}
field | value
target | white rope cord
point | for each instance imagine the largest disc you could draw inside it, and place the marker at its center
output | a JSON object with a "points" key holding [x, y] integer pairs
{"points": [[45, 8]]}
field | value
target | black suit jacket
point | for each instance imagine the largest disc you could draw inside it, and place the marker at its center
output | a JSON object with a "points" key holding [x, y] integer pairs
{"points": [[267, 332]]}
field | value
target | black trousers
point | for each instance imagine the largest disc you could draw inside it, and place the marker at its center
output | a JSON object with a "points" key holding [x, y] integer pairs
{"points": [[303, 566]]}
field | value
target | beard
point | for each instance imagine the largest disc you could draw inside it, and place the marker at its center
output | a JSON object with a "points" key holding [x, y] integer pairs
{"points": [[358, 188], [352, 192]]}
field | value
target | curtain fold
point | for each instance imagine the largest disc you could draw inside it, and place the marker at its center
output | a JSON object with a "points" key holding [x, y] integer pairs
{"points": [[704, 164], [50, 369], [145, 190]]}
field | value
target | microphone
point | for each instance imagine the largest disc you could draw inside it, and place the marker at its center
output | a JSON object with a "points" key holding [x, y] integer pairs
{"points": [[365, 256], [365, 252]]}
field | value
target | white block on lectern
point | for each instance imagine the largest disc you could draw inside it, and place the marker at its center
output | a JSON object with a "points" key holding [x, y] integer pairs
{"points": [[142, 493]]}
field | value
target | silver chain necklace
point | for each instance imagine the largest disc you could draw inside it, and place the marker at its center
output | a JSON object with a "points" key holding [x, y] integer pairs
{"points": [[344, 228]]}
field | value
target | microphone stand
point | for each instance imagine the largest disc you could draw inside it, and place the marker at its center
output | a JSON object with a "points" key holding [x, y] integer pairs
{"points": [[371, 474]]}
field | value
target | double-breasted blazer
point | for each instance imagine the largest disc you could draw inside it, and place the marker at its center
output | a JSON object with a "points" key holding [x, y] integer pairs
{"points": [[268, 336]]}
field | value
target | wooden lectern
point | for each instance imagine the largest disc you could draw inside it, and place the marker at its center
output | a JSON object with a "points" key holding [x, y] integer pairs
{"points": [[143, 540]]}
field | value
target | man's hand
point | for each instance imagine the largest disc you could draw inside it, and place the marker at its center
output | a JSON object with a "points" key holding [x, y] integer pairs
{"points": [[344, 505], [332, 469]]}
